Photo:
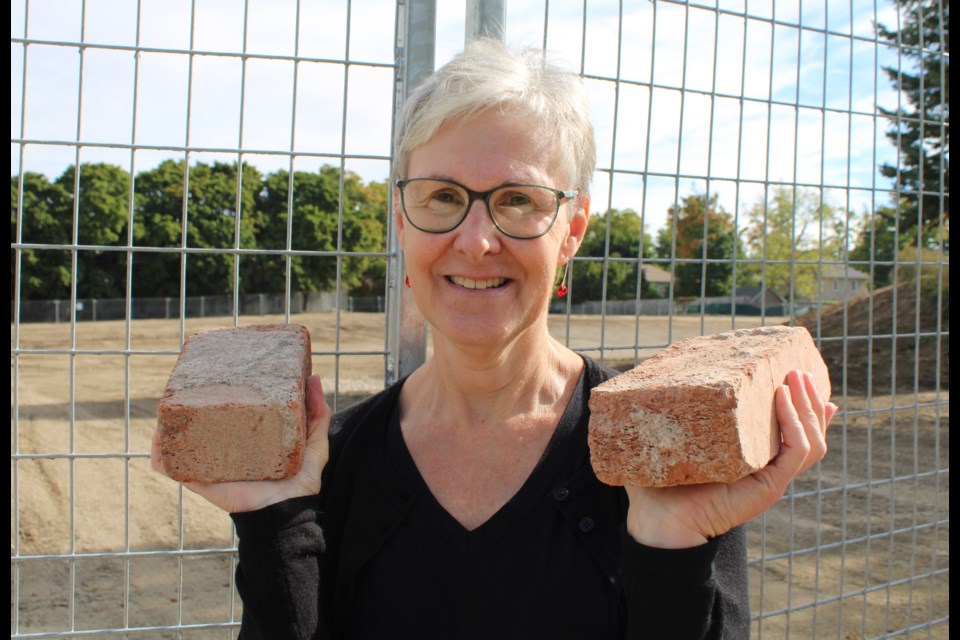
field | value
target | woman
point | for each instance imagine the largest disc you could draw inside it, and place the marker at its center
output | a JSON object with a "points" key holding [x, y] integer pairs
{"points": [[460, 502]]}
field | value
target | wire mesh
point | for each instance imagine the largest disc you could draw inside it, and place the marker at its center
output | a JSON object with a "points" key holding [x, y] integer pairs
{"points": [[745, 110]]}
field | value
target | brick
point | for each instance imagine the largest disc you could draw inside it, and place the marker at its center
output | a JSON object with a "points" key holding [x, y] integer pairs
{"points": [[701, 410], [234, 407]]}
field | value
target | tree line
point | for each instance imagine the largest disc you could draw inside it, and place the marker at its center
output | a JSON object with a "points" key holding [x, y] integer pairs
{"points": [[217, 218], [780, 243]]}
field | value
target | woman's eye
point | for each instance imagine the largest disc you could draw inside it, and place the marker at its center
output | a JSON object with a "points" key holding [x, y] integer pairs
{"points": [[514, 200], [447, 197]]}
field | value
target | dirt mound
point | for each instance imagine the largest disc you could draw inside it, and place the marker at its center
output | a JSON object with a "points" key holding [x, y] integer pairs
{"points": [[870, 346]]}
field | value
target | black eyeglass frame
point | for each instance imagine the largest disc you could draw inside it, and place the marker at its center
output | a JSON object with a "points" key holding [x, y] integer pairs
{"points": [[472, 196]]}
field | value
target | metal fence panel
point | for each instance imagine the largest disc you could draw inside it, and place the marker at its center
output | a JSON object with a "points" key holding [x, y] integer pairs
{"points": [[750, 108]]}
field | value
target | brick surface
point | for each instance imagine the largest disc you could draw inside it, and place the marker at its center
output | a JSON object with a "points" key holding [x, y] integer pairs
{"points": [[234, 407], [701, 410]]}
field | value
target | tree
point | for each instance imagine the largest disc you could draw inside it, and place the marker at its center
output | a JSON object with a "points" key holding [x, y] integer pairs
{"points": [[45, 219], [790, 236], [720, 239], [921, 124], [316, 206], [157, 224], [102, 216], [210, 210], [211, 224], [625, 231], [876, 244], [48, 218]]}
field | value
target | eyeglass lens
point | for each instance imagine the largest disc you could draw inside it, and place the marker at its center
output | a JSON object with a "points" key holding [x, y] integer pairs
{"points": [[438, 206]]}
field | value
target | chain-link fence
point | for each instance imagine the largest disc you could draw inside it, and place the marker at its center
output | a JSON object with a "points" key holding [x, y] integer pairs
{"points": [[758, 165]]}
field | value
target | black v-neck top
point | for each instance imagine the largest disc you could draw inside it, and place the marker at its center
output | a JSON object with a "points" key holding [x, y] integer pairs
{"points": [[375, 556], [524, 573]]}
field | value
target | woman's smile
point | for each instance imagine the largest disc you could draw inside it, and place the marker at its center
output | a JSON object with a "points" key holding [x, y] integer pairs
{"points": [[469, 283]]}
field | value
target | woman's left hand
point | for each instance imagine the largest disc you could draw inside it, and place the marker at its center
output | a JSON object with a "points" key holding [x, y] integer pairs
{"points": [[687, 516]]}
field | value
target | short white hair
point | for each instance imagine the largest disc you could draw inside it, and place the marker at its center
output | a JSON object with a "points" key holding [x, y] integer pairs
{"points": [[487, 75]]}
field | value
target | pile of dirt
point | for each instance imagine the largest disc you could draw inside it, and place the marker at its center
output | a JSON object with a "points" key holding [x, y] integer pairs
{"points": [[872, 347]]}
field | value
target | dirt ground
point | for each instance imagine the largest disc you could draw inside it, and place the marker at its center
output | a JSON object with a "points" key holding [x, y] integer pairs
{"points": [[860, 549]]}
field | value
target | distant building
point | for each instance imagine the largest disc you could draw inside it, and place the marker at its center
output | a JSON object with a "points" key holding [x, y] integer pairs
{"points": [[657, 277], [759, 297], [839, 282]]}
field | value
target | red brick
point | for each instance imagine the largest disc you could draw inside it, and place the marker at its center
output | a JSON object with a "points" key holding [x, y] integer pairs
{"points": [[234, 407], [701, 410]]}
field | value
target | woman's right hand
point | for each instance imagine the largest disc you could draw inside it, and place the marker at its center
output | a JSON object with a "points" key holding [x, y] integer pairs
{"points": [[234, 497]]}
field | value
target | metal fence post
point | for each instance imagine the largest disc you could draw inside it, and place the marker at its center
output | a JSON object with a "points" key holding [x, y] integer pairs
{"points": [[405, 328], [485, 18]]}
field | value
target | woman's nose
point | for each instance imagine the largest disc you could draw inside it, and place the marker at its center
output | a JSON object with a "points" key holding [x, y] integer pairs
{"points": [[477, 233]]}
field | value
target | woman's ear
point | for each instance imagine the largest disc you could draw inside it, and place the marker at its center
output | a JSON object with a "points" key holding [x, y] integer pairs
{"points": [[578, 226]]}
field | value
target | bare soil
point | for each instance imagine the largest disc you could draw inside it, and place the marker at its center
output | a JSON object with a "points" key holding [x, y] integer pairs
{"points": [[869, 347], [99, 541]]}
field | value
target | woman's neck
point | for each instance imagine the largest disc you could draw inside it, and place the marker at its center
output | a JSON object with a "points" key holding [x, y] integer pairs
{"points": [[476, 387]]}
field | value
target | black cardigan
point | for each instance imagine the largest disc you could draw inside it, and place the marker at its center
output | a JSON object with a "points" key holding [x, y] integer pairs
{"points": [[299, 560]]}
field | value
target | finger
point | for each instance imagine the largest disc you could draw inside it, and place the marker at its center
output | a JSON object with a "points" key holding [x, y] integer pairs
{"points": [[795, 446], [318, 431], [818, 439], [799, 393], [817, 403], [811, 413], [777, 475], [831, 411], [318, 411]]}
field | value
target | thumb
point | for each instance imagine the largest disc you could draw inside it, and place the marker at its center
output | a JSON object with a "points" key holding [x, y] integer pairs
{"points": [[318, 411]]}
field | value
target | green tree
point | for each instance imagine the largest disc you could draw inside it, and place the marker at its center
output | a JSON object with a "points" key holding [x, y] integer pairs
{"points": [[102, 216], [625, 232], [211, 201], [920, 125], [315, 227], [691, 234], [211, 214], [876, 243], [790, 236], [48, 218]]}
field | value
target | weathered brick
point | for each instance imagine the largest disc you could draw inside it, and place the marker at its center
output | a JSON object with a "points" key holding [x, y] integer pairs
{"points": [[234, 407], [701, 410]]}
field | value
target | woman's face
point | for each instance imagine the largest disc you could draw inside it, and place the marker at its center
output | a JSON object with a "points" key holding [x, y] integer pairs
{"points": [[473, 284]]}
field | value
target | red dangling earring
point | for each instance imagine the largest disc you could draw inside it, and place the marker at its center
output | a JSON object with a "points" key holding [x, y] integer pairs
{"points": [[407, 282], [562, 289]]}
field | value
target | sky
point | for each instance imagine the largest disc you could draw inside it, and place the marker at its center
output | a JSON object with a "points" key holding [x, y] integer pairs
{"points": [[808, 83]]}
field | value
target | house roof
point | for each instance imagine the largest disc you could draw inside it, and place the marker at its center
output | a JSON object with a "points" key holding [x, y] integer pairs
{"points": [[654, 273], [754, 292], [843, 272]]}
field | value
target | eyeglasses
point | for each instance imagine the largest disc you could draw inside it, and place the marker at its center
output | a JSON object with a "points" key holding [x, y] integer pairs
{"points": [[521, 211]]}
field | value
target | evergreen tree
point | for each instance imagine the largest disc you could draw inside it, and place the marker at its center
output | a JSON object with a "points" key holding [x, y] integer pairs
{"points": [[921, 123]]}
